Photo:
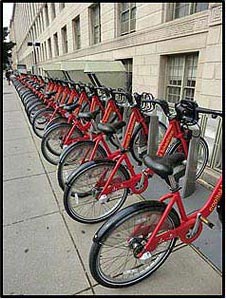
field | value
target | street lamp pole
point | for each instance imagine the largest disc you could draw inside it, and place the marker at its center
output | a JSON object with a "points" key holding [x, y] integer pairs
{"points": [[35, 44]]}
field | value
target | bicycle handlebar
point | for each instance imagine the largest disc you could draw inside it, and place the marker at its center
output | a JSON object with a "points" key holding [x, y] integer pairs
{"points": [[214, 113], [162, 103]]}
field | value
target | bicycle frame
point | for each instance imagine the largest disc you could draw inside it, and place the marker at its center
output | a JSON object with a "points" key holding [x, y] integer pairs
{"points": [[95, 103], [58, 108], [135, 116], [111, 107], [173, 131], [187, 221]]}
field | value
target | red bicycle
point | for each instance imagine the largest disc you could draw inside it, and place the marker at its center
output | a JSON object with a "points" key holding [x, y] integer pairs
{"points": [[97, 189], [55, 106], [135, 242], [87, 150], [78, 127]]}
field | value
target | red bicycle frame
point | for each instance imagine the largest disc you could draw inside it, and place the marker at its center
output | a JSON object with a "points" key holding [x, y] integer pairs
{"points": [[173, 131], [95, 103], [134, 117], [187, 221]]}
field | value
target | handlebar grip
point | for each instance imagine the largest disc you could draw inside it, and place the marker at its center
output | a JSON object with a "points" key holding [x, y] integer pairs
{"points": [[126, 94], [162, 103]]}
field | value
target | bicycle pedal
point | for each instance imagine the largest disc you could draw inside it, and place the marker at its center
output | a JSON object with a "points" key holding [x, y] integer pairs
{"points": [[207, 222]]}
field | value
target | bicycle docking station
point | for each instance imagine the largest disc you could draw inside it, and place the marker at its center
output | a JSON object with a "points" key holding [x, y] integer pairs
{"points": [[191, 167], [153, 135], [189, 179]]}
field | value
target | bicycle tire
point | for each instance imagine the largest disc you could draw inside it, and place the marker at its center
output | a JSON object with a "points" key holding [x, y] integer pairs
{"points": [[34, 109], [40, 120], [134, 148], [32, 103], [176, 146], [78, 196], [130, 218], [58, 119], [56, 132], [76, 151]]}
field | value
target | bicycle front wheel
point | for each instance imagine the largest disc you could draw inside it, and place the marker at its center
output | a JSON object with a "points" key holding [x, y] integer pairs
{"points": [[73, 156], [81, 199], [40, 120], [113, 258], [53, 141]]}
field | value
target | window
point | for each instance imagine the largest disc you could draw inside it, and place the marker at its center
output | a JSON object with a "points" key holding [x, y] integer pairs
{"points": [[56, 46], [49, 48], [64, 39], [53, 10], [35, 31], [95, 24], [46, 15], [182, 9], [61, 6], [181, 77], [76, 33], [42, 52], [127, 17], [39, 24], [45, 50], [42, 21]]}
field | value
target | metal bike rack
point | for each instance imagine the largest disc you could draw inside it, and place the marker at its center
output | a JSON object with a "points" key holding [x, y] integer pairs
{"points": [[191, 168], [153, 134]]}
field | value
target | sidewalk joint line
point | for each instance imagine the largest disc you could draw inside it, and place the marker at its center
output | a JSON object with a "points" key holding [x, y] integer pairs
{"points": [[23, 177], [31, 218], [205, 258], [79, 256]]}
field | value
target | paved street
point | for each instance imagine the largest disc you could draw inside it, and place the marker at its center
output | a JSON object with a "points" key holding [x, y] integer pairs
{"points": [[45, 252]]}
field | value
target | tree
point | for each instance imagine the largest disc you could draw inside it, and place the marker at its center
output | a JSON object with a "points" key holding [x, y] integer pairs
{"points": [[7, 47]]}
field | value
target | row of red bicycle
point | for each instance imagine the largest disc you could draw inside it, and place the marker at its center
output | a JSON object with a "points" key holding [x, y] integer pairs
{"points": [[95, 149]]}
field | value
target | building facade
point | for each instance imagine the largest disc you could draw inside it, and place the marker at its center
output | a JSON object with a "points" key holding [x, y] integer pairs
{"points": [[173, 50]]}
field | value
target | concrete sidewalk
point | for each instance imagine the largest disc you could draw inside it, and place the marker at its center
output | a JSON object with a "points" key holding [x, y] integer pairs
{"points": [[46, 252]]}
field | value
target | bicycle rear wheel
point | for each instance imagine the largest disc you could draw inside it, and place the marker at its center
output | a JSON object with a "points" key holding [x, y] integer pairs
{"points": [[81, 199], [73, 156], [53, 141], [113, 257], [40, 120]]}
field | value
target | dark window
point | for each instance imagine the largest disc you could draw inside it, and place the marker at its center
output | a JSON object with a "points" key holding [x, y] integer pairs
{"points": [[182, 9], [181, 77], [76, 33], [50, 48], [46, 14], [56, 46], [53, 10], [64, 39], [127, 17], [128, 64], [95, 24]]}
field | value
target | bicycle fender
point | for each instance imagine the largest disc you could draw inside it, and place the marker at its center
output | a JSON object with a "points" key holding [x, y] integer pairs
{"points": [[114, 221], [78, 170], [68, 149], [87, 164], [55, 126]]}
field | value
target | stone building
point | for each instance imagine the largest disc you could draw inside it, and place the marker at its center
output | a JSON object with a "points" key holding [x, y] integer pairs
{"points": [[173, 50]]}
